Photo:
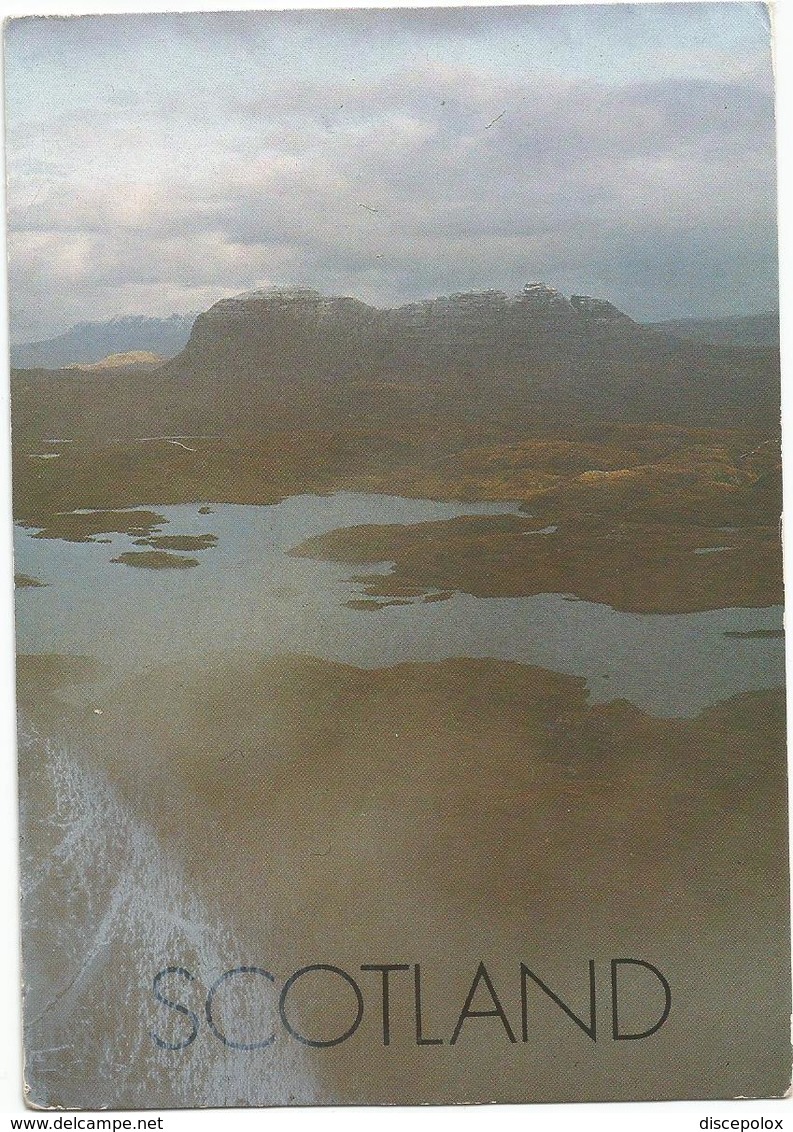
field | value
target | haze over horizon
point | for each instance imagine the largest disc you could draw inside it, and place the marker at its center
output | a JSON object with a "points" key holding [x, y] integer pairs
{"points": [[159, 163]]}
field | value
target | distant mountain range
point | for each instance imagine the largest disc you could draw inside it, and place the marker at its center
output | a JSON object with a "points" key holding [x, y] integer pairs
{"points": [[749, 330], [89, 342], [293, 358]]}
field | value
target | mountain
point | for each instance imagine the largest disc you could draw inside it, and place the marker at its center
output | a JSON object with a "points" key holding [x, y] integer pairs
{"points": [[748, 330], [478, 352], [92, 341], [300, 330], [292, 358]]}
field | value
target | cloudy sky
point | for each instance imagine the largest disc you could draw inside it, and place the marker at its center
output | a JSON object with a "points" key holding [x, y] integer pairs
{"points": [[158, 163]]}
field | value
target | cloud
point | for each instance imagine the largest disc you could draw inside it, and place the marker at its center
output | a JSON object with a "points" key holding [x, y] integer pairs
{"points": [[396, 181]]}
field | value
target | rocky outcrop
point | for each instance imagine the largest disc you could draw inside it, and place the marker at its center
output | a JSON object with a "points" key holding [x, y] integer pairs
{"points": [[596, 310], [539, 298]]}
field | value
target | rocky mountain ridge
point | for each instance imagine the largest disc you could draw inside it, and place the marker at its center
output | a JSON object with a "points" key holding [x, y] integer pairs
{"points": [[290, 333], [295, 358], [534, 351], [461, 312]]}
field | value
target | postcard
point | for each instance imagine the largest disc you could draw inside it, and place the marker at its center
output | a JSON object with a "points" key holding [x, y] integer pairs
{"points": [[396, 467]]}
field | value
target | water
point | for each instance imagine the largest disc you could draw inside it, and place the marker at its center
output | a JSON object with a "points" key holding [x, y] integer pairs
{"points": [[248, 593], [161, 831]]}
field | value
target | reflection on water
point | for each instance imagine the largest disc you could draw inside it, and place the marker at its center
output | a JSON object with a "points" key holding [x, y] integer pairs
{"points": [[102, 903], [248, 593]]}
